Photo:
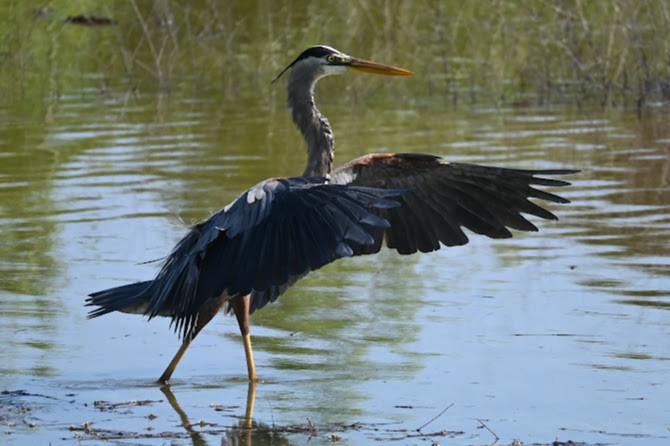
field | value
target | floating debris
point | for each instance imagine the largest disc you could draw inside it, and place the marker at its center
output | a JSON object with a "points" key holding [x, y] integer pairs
{"points": [[107, 406]]}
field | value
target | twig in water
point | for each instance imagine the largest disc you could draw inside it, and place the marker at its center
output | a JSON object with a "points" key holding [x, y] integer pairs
{"points": [[483, 425], [312, 427], [435, 417]]}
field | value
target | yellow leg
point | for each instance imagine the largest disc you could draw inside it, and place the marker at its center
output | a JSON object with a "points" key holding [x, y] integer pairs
{"points": [[251, 366], [207, 311], [240, 306], [167, 374]]}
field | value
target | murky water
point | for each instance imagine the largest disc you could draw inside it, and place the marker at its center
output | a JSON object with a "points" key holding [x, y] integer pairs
{"points": [[561, 334]]}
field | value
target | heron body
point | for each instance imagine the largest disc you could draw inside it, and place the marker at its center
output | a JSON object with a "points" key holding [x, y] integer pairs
{"points": [[250, 252]]}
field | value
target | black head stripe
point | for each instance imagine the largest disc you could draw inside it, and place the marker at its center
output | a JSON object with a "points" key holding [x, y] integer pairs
{"points": [[318, 51]]}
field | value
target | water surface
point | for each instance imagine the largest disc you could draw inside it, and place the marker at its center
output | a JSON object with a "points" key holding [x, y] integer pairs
{"points": [[561, 334]]}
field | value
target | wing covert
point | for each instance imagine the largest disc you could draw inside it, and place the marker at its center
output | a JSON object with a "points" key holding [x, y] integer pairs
{"points": [[264, 241], [445, 197]]}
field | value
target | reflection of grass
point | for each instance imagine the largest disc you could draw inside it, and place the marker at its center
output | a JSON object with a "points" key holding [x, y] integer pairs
{"points": [[632, 355], [610, 367], [43, 371], [661, 305]]}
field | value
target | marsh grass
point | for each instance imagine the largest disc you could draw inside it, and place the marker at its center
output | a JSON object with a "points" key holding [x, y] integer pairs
{"points": [[497, 52], [510, 52]]}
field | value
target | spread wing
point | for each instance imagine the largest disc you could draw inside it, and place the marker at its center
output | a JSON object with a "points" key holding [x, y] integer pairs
{"points": [[445, 197], [268, 238]]}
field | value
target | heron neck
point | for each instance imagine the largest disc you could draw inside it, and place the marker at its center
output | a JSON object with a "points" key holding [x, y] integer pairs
{"points": [[314, 127]]}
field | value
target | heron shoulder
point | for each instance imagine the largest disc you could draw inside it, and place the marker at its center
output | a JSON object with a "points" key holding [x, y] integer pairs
{"points": [[379, 167]]}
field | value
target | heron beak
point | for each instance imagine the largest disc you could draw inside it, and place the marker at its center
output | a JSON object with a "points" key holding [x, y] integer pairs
{"points": [[377, 68]]}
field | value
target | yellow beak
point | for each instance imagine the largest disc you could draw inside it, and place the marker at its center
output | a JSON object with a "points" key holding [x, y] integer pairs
{"points": [[377, 68]]}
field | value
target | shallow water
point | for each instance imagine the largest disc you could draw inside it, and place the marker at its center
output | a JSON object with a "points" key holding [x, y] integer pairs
{"points": [[561, 334]]}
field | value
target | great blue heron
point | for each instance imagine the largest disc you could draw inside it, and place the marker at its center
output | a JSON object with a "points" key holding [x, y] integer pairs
{"points": [[254, 249]]}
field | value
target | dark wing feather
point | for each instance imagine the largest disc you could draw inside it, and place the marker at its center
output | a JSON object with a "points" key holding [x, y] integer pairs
{"points": [[445, 197], [264, 241]]}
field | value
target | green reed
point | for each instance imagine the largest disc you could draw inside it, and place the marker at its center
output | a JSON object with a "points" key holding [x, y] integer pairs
{"points": [[500, 52]]}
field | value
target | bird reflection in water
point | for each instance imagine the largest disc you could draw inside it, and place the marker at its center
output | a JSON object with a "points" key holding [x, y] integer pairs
{"points": [[246, 432]]}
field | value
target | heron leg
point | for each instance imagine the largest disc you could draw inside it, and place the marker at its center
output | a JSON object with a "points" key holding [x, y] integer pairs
{"points": [[206, 313], [240, 306], [167, 374]]}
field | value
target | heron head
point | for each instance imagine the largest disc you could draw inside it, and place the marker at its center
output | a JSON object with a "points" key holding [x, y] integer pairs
{"points": [[322, 60]]}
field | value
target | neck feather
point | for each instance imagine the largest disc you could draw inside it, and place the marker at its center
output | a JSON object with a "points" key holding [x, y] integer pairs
{"points": [[314, 127]]}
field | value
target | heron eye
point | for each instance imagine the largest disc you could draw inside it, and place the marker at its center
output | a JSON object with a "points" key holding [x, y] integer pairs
{"points": [[330, 58]]}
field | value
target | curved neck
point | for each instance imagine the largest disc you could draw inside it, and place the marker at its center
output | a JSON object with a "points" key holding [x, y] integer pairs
{"points": [[314, 127]]}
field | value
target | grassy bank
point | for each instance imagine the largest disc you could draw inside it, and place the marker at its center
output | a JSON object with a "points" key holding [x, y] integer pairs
{"points": [[609, 53]]}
